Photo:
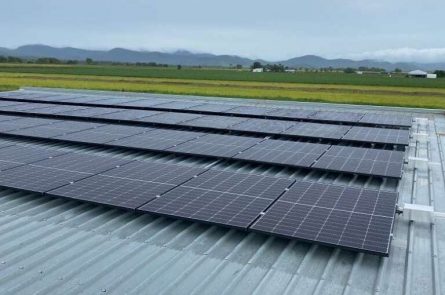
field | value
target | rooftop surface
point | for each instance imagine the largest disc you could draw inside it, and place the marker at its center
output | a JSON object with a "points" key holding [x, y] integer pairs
{"points": [[58, 246]]}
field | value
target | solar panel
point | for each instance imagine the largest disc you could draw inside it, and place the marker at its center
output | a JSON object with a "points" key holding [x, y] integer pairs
{"points": [[26, 154], [74, 125], [378, 135], [83, 99], [54, 109], [216, 145], [142, 103], [123, 193], [37, 179], [250, 110], [263, 126], [290, 113], [122, 130], [82, 163], [231, 199], [5, 103], [155, 172], [88, 112], [337, 116], [169, 118], [88, 136], [5, 165], [213, 107], [387, 119], [4, 118], [113, 101], [328, 131], [127, 115], [40, 131], [23, 107], [5, 143], [7, 126], [348, 217], [178, 105], [214, 122], [362, 161], [158, 139], [297, 154]]}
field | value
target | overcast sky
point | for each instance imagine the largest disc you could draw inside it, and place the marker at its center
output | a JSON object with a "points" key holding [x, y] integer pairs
{"points": [[394, 30]]}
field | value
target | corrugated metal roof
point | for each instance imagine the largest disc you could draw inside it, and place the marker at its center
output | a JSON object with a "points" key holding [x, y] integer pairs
{"points": [[67, 247]]}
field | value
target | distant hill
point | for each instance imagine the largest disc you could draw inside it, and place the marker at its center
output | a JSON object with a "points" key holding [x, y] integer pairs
{"points": [[187, 58]]}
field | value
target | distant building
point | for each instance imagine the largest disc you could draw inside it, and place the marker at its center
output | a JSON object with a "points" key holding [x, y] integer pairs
{"points": [[359, 72], [290, 70], [258, 70], [421, 74]]}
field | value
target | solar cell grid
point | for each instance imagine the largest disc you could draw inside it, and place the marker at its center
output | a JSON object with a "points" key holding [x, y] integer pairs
{"points": [[387, 119], [112, 101], [290, 113], [250, 110], [85, 163], [339, 216], [151, 102], [37, 179], [378, 135], [362, 161], [205, 198], [127, 114], [155, 172], [5, 165], [75, 125], [23, 107], [263, 126], [178, 105], [122, 130], [40, 131], [5, 103], [212, 107], [123, 193], [329, 131], [82, 99], [337, 116], [88, 112], [54, 109], [88, 136], [216, 145], [217, 122], [4, 118], [26, 154], [169, 118], [298, 154]]}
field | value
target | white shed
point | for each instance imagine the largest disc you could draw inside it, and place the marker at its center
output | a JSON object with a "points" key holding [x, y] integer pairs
{"points": [[258, 70]]}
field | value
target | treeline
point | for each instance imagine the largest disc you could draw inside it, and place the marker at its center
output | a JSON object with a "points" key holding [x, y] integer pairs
{"points": [[88, 61]]}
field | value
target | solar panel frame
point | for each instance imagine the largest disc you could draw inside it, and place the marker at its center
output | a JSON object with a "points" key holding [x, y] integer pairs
{"points": [[214, 122], [169, 118], [212, 108], [351, 117], [263, 126], [387, 119], [326, 131], [127, 115], [290, 113]]}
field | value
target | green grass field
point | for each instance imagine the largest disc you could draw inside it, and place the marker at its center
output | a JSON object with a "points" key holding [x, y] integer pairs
{"points": [[316, 87]]}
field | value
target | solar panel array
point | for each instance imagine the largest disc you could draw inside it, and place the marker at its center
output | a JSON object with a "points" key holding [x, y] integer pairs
{"points": [[239, 124], [251, 149], [354, 218], [180, 105]]}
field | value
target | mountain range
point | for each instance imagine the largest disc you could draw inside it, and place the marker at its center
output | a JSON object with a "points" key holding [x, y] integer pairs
{"points": [[187, 58]]}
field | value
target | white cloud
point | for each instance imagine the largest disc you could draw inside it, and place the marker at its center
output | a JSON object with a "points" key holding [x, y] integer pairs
{"points": [[425, 55]]}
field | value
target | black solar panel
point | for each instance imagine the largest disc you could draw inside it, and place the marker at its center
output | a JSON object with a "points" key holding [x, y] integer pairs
{"points": [[298, 154], [362, 161], [122, 130], [5, 165], [83, 99], [155, 172], [26, 155], [123, 193], [127, 115], [88, 136], [155, 140], [213, 107], [378, 135], [216, 122], [178, 105], [5, 143], [23, 107], [263, 126], [169, 118], [5, 103], [55, 109], [231, 199], [387, 119], [337, 116], [75, 125], [37, 179], [353, 218], [329, 131], [290, 113], [144, 102], [82, 163], [40, 131], [113, 101], [4, 118], [250, 110], [216, 145], [89, 112]]}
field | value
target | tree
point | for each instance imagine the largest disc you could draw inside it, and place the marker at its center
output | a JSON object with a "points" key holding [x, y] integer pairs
{"points": [[3, 59], [89, 61], [440, 73], [397, 70], [349, 70], [256, 65], [179, 67], [239, 67]]}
